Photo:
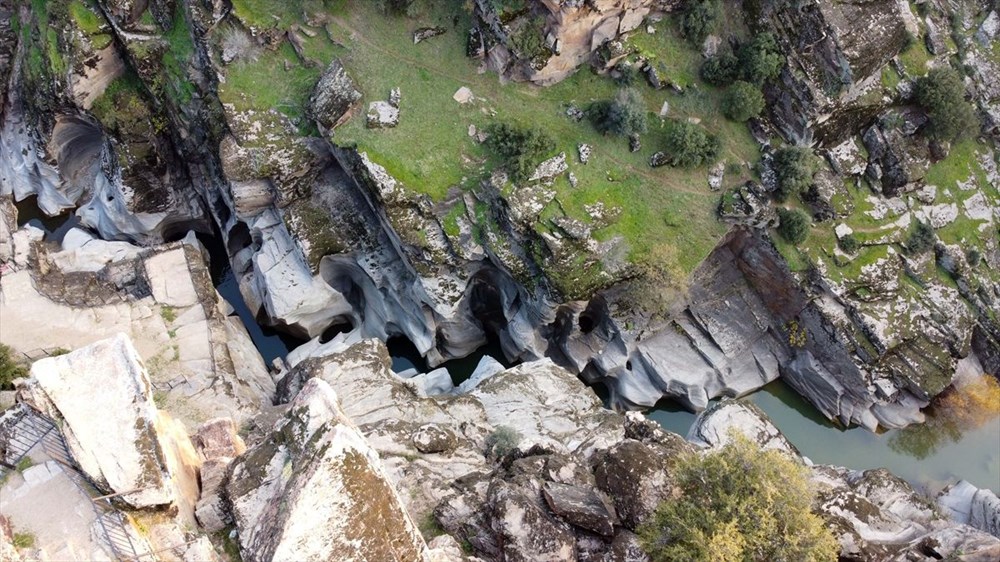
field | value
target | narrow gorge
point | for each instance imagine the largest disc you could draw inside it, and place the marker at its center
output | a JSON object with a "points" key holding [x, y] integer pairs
{"points": [[443, 280]]}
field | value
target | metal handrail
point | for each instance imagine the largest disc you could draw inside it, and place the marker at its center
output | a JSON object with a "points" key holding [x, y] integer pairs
{"points": [[75, 475]]}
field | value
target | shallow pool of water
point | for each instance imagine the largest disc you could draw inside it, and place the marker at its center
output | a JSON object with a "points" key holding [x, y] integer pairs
{"points": [[55, 228], [405, 356], [928, 456], [270, 343]]}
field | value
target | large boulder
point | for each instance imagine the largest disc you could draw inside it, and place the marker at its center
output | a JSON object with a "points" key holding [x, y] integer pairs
{"points": [[334, 98], [129, 448], [715, 427], [315, 490]]}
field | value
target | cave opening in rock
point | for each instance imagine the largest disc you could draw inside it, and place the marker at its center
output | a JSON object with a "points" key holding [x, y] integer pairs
{"points": [[340, 325], [586, 323], [55, 228]]}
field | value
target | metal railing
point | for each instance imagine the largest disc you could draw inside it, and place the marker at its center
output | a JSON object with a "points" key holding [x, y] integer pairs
{"points": [[32, 429]]}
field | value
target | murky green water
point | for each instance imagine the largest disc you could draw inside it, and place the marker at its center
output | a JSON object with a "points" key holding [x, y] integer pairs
{"points": [[928, 456]]}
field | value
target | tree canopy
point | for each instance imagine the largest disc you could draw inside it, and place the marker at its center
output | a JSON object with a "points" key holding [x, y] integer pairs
{"points": [[739, 504], [942, 94]]}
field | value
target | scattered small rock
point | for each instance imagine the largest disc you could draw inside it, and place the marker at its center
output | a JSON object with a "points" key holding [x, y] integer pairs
{"points": [[665, 109], [395, 96], [425, 33], [634, 143], [382, 115], [472, 130], [574, 113], [583, 150], [716, 175], [650, 29], [572, 179], [658, 159], [464, 95], [694, 120]]}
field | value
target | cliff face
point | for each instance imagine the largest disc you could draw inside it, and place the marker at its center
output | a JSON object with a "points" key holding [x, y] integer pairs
{"points": [[831, 86], [322, 238]]}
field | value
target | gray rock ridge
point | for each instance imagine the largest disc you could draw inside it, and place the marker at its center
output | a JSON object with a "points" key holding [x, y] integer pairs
{"points": [[53, 149], [434, 448], [967, 504], [848, 44]]}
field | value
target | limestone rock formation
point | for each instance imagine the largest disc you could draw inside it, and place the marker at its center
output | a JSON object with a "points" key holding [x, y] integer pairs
{"points": [[315, 490], [130, 448], [200, 360], [967, 504]]}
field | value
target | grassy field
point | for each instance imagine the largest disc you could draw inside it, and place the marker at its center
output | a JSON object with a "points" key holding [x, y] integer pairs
{"points": [[431, 152]]}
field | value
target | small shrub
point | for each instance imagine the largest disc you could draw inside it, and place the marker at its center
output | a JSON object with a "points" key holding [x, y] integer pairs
{"points": [[623, 116], [24, 540], [520, 148], [973, 257], [528, 42], [743, 101], [168, 313], [849, 244], [794, 168], [10, 368], [698, 20], [721, 69], [942, 94], [921, 239], [24, 464], [503, 440], [688, 145], [794, 225], [760, 59], [739, 503], [238, 45], [626, 74]]}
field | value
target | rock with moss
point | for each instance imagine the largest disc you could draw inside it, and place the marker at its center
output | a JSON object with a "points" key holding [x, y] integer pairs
{"points": [[130, 449], [334, 97], [835, 89], [314, 489]]}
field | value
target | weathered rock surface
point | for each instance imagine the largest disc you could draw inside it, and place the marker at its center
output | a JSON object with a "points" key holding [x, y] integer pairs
{"points": [[712, 427], [315, 490], [130, 448], [334, 98], [200, 359], [848, 45], [967, 504], [571, 32]]}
